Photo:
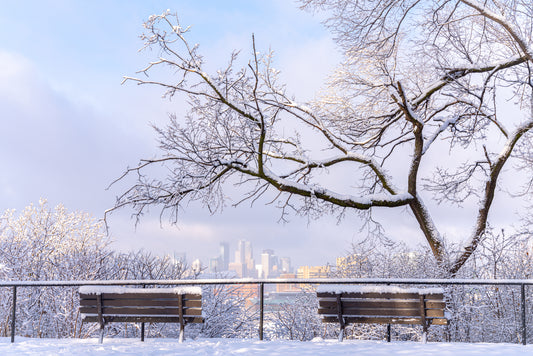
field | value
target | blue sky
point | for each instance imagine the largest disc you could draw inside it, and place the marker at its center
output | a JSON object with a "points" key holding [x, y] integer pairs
{"points": [[69, 128]]}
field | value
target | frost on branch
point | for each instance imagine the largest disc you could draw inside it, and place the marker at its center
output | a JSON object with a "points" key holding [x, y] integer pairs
{"points": [[237, 127], [420, 79], [51, 244]]}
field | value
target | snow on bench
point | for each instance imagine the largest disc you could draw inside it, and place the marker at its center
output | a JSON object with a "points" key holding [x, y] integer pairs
{"points": [[381, 305], [344, 288], [125, 290], [106, 304]]}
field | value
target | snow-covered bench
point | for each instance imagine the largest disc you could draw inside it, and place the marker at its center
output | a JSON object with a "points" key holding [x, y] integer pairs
{"points": [[107, 304], [381, 305]]}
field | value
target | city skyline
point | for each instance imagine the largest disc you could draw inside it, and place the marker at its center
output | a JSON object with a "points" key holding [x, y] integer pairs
{"points": [[244, 262], [71, 128], [67, 86]]}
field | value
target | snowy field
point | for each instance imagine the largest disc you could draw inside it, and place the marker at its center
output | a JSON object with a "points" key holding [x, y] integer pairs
{"points": [[24, 346]]}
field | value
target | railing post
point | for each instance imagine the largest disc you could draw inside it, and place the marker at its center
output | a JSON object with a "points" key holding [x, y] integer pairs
{"points": [[13, 313], [142, 324], [261, 308], [523, 305], [388, 326]]}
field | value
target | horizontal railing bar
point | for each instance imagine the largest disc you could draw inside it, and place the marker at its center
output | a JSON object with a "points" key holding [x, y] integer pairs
{"points": [[181, 282]]}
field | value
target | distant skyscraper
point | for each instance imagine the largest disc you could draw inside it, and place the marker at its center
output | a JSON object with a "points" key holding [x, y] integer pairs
{"points": [[266, 262], [239, 253], [249, 259], [248, 251], [285, 265], [244, 264], [224, 255]]}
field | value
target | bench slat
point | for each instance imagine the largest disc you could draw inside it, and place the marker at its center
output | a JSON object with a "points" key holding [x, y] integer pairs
{"points": [[395, 312], [143, 302], [145, 306], [140, 311], [381, 303], [437, 296], [141, 319], [391, 307], [384, 320]]}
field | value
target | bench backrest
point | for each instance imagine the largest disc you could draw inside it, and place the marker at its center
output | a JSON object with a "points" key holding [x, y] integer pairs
{"points": [[382, 308], [143, 304]]}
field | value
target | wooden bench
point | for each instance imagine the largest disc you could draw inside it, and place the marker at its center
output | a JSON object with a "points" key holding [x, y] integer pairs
{"points": [[108, 304], [381, 305]]}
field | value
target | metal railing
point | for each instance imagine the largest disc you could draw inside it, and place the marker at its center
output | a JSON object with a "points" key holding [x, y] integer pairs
{"points": [[522, 283]]}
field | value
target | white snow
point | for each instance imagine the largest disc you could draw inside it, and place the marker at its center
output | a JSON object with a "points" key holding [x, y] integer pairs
{"points": [[122, 290], [343, 288], [367, 200], [445, 123], [250, 347]]}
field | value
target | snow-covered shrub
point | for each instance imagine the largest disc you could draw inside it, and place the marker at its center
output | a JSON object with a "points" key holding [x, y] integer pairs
{"points": [[476, 313], [230, 311], [296, 318], [142, 265], [44, 244], [493, 313]]}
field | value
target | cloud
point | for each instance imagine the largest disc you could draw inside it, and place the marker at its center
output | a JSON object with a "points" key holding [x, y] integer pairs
{"points": [[69, 128], [51, 146]]}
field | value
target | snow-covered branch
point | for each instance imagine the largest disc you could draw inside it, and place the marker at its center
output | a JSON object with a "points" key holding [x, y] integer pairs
{"points": [[419, 78]]}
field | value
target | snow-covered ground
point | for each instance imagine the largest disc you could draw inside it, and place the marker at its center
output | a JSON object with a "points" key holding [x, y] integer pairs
{"points": [[24, 346]]}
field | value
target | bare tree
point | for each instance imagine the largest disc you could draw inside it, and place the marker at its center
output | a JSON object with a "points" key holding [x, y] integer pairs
{"points": [[420, 78]]}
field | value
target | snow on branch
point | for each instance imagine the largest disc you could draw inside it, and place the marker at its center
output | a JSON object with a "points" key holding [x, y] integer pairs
{"points": [[501, 20], [415, 73]]}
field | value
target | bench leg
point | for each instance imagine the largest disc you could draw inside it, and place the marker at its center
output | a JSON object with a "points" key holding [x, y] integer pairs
{"points": [[340, 317], [341, 334], [182, 332], [388, 332], [425, 333], [142, 332], [424, 320], [341, 331], [101, 340]]}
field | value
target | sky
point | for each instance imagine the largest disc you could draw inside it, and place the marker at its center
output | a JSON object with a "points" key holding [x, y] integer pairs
{"points": [[69, 128]]}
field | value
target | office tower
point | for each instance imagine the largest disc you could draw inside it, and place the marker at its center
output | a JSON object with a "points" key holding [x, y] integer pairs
{"points": [[285, 265], [224, 256], [249, 259], [266, 262], [239, 266], [240, 252], [248, 251], [244, 264]]}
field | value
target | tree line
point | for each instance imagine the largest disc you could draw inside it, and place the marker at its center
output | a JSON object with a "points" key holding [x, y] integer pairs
{"points": [[41, 243]]}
